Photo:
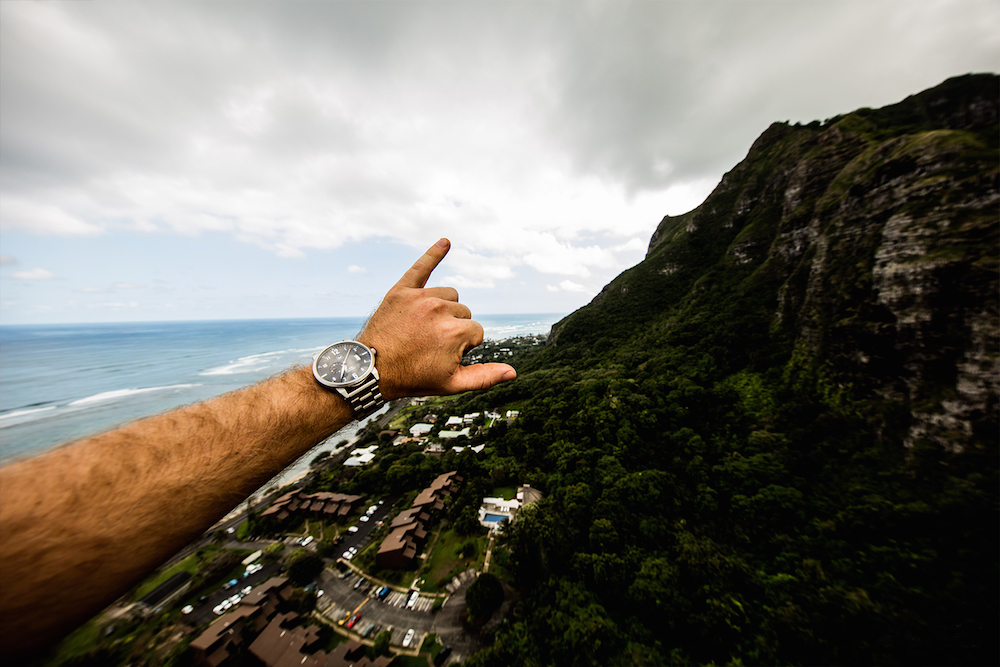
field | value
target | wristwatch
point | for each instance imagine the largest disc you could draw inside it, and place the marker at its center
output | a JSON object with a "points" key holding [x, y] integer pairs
{"points": [[349, 368]]}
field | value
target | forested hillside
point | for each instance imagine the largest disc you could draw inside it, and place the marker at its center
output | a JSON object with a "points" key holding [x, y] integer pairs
{"points": [[774, 441]]}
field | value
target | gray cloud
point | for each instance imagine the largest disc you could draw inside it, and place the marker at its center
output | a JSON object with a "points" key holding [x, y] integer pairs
{"points": [[301, 126]]}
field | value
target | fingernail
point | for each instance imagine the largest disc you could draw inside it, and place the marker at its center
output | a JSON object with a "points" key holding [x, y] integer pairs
{"points": [[508, 376], [443, 243]]}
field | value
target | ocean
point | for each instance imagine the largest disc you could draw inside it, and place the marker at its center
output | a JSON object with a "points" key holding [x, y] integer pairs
{"points": [[63, 382]]}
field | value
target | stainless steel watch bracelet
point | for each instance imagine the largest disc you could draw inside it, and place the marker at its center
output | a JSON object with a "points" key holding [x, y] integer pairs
{"points": [[366, 398]]}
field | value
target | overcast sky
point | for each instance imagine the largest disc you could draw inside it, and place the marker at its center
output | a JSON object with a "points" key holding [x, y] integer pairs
{"points": [[291, 159]]}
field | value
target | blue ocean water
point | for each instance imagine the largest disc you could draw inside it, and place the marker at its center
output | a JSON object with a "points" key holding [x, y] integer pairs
{"points": [[64, 382]]}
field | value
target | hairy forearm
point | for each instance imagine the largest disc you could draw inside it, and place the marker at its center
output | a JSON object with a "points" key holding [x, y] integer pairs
{"points": [[84, 523]]}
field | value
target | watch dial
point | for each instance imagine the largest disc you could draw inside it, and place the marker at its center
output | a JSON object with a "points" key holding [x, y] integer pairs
{"points": [[343, 364]]}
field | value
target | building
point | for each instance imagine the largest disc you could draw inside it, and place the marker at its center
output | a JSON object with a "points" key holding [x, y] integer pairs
{"points": [[321, 505], [225, 636], [432, 498], [361, 456], [405, 540], [282, 645], [420, 429], [493, 511], [447, 435], [408, 530]]}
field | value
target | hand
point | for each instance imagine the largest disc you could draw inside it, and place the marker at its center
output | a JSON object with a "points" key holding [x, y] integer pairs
{"points": [[420, 334]]}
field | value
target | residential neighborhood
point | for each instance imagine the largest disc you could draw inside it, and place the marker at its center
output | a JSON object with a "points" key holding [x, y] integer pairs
{"points": [[363, 561]]}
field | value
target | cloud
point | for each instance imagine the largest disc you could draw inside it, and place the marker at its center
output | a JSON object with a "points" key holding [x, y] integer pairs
{"points": [[547, 140], [354, 268], [567, 286], [8, 260], [33, 274]]}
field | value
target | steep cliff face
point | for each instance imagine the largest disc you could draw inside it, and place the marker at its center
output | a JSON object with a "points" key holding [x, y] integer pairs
{"points": [[868, 246]]}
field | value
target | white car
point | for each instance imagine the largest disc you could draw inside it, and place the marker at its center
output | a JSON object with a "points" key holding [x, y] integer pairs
{"points": [[408, 638], [348, 555], [412, 600], [352, 529], [365, 518], [187, 609]]}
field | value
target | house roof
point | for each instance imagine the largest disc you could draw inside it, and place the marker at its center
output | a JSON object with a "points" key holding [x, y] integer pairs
{"points": [[280, 647], [222, 626]]}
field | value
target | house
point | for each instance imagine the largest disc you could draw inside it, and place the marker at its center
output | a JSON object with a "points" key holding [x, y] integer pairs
{"points": [[493, 511], [420, 429], [448, 435], [361, 456], [225, 636], [281, 645], [408, 530], [455, 421], [321, 505]]}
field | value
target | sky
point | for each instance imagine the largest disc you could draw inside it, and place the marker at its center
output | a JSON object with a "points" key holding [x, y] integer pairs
{"points": [[220, 160]]}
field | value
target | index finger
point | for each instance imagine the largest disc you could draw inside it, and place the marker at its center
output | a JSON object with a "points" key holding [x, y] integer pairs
{"points": [[417, 275]]}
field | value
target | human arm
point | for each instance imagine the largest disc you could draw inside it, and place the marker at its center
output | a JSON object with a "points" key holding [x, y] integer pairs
{"points": [[83, 523]]}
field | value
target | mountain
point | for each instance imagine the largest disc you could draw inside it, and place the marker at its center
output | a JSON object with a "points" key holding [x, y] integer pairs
{"points": [[775, 440]]}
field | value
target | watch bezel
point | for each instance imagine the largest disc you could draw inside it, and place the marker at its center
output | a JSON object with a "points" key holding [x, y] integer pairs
{"points": [[342, 385]]}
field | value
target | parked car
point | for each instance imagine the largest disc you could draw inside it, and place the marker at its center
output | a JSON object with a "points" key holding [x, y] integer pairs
{"points": [[187, 609], [412, 600], [408, 638], [354, 620]]}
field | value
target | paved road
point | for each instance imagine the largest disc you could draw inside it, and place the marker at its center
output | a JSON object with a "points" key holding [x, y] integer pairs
{"points": [[203, 610]]}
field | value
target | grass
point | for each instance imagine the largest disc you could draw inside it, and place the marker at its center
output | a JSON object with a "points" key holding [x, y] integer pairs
{"points": [[505, 492], [443, 562], [190, 564]]}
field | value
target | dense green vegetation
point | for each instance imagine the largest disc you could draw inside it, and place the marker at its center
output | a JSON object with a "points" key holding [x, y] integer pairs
{"points": [[724, 435]]}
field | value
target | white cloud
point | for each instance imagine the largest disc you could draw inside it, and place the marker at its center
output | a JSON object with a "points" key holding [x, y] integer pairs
{"points": [[567, 286], [33, 274], [354, 268], [39, 217]]}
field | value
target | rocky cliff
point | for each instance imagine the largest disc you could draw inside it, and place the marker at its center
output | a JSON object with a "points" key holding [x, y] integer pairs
{"points": [[870, 242], [775, 439]]}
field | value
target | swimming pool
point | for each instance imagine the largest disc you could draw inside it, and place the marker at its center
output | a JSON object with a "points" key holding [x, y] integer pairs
{"points": [[494, 518]]}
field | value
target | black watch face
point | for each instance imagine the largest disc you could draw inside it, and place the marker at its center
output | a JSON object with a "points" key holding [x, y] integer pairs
{"points": [[343, 364]]}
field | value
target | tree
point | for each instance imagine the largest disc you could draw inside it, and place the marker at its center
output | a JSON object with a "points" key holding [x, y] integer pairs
{"points": [[381, 644], [304, 567], [484, 597]]}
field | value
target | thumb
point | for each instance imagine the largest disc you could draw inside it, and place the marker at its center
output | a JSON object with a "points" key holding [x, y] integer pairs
{"points": [[480, 376]]}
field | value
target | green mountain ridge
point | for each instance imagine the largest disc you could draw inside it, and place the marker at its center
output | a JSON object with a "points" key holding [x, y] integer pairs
{"points": [[774, 441]]}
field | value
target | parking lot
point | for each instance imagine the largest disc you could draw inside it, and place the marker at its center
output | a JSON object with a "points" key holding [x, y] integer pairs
{"points": [[354, 594]]}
